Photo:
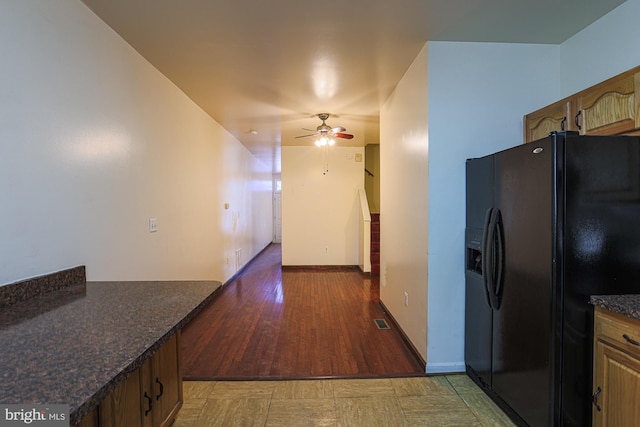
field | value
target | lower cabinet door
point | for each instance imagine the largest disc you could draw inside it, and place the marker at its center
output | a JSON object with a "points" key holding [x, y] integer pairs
{"points": [[617, 387], [150, 397], [124, 406], [146, 390], [167, 381], [90, 420]]}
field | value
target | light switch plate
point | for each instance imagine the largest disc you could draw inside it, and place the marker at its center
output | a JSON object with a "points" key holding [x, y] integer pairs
{"points": [[153, 225]]}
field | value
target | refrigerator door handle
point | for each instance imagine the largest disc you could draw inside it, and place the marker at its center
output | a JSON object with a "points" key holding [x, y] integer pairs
{"points": [[490, 251], [485, 256], [499, 264]]}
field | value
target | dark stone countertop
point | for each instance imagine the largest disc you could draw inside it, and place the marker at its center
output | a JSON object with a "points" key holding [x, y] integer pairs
{"points": [[76, 344], [628, 305]]}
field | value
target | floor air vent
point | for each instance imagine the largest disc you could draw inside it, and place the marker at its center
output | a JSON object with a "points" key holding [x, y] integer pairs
{"points": [[381, 324]]}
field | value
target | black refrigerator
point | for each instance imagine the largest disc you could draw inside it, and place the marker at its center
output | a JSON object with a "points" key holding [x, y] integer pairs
{"points": [[548, 224]]}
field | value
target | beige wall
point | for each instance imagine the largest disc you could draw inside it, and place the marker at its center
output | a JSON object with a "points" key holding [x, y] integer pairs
{"points": [[320, 211], [404, 154], [94, 141]]}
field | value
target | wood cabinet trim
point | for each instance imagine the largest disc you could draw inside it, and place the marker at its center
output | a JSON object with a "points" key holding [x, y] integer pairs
{"points": [[610, 328]]}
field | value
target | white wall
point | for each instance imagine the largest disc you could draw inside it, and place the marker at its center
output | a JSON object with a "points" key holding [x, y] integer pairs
{"points": [[404, 153], [478, 93], [94, 141], [474, 95], [321, 211], [607, 47]]}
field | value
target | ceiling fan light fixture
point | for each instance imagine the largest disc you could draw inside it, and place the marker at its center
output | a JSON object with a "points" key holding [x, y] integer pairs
{"points": [[327, 133], [324, 140]]}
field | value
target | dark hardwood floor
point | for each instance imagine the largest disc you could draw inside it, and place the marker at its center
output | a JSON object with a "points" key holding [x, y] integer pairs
{"points": [[294, 324]]}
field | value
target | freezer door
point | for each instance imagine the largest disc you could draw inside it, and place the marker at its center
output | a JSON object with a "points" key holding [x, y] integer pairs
{"points": [[478, 316], [479, 188], [522, 332]]}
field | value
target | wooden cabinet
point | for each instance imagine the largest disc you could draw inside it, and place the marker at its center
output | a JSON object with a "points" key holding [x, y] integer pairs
{"points": [[555, 117], [162, 380], [608, 108], [124, 406], [611, 107], [150, 397], [616, 380], [91, 420]]}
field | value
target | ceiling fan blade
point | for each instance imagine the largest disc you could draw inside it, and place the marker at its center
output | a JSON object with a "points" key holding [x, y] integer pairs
{"points": [[304, 136], [310, 130], [338, 129], [343, 135]]}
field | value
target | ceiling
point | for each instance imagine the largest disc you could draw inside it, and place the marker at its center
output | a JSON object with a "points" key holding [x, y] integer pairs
{"points": [[270, 66]]}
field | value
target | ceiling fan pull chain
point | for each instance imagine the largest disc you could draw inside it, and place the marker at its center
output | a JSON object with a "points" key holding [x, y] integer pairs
{"points": [[326, 160]]}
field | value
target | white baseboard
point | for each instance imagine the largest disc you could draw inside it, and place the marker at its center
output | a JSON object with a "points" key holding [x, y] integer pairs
{"points": [[445, 368]]}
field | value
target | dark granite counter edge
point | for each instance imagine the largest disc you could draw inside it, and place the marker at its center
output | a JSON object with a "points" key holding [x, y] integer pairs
{"points": [[627, 305], [77, 414], [35, 286]]}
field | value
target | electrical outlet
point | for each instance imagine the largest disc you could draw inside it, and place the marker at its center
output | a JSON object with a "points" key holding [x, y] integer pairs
{"points": [[406, 298], [153, 225]]}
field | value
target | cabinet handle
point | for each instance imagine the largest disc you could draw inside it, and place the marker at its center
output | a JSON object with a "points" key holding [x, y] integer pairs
{"points": [[630, 340], [562, 123], [594, 398], [150, 402], [161, 388], [577, 120]]}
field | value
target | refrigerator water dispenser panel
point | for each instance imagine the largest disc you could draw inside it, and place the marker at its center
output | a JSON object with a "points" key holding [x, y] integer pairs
{"points": [[473, 245], [474, 261]]}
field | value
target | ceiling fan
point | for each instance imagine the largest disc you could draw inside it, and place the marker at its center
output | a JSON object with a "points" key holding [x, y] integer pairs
{"points": [[326, 132]]}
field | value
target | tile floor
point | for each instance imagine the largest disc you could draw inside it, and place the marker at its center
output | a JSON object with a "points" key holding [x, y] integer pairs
{"points": [[452, 400]]}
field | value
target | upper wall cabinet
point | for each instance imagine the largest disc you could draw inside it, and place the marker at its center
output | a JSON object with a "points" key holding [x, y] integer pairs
{"points": [[611, 107], [555, 117], [608, 108]]}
